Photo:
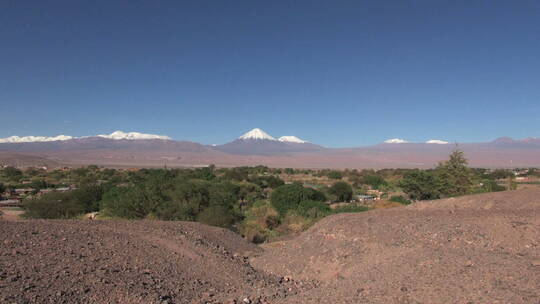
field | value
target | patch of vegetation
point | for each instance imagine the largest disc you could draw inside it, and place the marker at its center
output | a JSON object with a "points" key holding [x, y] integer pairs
{"points": [[288, 197], [350, 209], [64, 205], [400, 199], [260, 202]]}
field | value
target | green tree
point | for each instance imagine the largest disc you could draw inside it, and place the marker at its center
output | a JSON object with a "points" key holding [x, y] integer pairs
{"points": [[267, 181], [137, 201], [375, 181], [454, 175], [194, 195], [64, 205], [342, 190], [334, 175], [12, 174], [288, 197], [421, 185]]}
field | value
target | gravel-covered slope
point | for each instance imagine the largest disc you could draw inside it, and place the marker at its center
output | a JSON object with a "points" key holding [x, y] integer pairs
{"points": [[473, 249], [129, 262]]}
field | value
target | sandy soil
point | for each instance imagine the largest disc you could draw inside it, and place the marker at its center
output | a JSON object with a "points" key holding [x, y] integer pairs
{"points": [[11, 214]]}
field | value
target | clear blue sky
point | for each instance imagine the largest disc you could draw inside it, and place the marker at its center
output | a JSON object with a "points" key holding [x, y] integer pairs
{"points": [[337, 73]]}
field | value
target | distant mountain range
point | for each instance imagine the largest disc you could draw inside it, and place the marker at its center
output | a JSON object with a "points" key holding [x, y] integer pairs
{"points": [[255, 147]]}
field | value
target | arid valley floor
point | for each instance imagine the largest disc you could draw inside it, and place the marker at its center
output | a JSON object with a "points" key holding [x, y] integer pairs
{"points": [[473, 249]]}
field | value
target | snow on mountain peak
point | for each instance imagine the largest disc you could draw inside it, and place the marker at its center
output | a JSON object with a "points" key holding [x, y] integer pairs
{"points": [[436, 141], [25, 139], [117, 135], [256, 134], [292, 139], [395, 141]]}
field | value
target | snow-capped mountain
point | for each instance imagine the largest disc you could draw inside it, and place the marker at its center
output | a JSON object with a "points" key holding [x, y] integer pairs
{"points": [[258, 142], [257, 147], [256, 134], [403, 141], [437, 141], [25, 139], [396, 141], [116, 135], [292, 139]]}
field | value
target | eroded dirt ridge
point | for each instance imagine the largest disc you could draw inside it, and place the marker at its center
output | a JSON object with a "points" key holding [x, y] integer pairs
{"points": [[475, 249]]}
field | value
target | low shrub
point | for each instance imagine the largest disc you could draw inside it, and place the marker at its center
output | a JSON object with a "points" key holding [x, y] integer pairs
{"points": [[400, 199], [350, 209], [313, 209], [219, 216], [259, 222]]}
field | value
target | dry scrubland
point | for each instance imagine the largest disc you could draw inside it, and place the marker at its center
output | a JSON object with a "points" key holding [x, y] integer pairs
{"points": [[473, 249]]}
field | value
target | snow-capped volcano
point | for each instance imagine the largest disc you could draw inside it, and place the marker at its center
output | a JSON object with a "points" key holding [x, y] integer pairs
{"points": [[292, 139], [258, 142], [256, 134]]}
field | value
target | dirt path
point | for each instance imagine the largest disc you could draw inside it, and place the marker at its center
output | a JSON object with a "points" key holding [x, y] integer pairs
{"points": [[10, 214]]}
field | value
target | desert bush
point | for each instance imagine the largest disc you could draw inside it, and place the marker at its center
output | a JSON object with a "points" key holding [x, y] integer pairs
{"points": [[219, 216], [259, 222], [400, 199], [350, 209], [313, 209], [176, 211], [491, 186], [293, 222]]}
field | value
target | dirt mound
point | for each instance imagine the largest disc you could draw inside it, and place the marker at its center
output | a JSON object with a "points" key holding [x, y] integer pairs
{"points": [[474, 249], [129, 262]]}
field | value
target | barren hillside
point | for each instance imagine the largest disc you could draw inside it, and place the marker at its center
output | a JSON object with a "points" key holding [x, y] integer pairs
{"points": [[473, 249], [128, 262]]}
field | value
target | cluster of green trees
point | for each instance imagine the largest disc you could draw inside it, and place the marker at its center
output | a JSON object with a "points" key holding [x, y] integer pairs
{"points": [[65, 205], [450, 178], [254, 201], [250, 201]]}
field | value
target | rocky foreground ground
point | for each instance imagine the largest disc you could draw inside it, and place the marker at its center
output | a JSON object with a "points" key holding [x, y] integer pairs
{"points": [[474, 249]]}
